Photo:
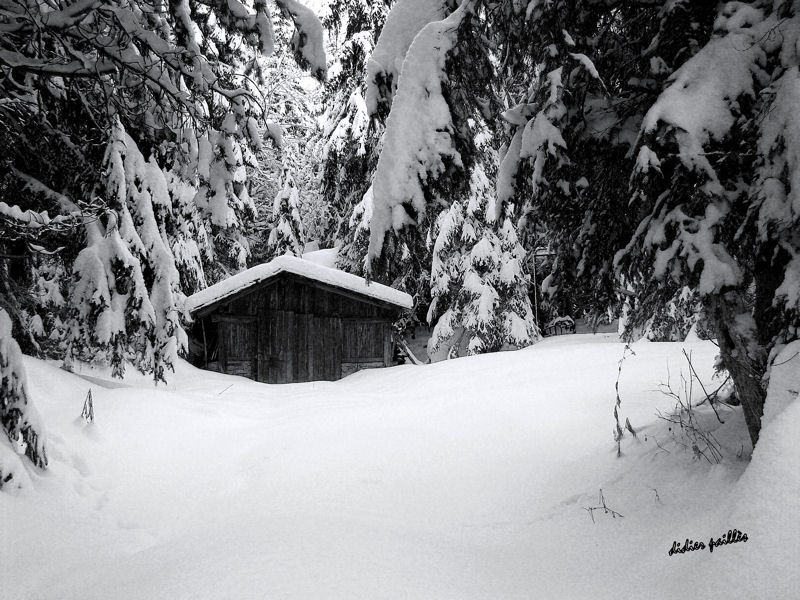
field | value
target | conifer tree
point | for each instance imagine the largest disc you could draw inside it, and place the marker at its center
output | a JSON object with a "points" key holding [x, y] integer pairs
{"points": [[128, 131], [651, 144], [352, 255], [22, 432], [479, 288], [187, 231], [222, 195], [137, 189], [351, 137], [714, 179], [286, 236]]}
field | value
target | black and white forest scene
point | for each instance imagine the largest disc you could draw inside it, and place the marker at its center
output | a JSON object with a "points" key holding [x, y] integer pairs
{"points": [[383, 299]]}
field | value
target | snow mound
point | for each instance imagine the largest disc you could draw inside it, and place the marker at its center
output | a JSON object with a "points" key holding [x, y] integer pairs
{"points": [[465, 479], [326, 257]]}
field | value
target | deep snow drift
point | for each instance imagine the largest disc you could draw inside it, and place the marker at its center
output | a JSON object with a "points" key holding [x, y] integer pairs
{"points": [[462, 479]]}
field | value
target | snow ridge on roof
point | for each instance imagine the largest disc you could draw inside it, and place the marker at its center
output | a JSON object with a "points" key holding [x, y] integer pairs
{"points": [[303, 268]]}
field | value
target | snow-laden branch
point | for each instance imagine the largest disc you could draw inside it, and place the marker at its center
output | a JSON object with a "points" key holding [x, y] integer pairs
{"points": [[406, 19], [418, 132], [72, 68]]}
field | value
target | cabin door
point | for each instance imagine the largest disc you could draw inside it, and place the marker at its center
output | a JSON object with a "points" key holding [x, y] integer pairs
{"points": [[275, 347], [325, 349], [298, 347], [238, 345], [366, 345], [317, 348]]}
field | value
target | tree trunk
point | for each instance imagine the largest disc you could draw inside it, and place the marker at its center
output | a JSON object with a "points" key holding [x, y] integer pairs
{"points": [[742, 355], [769, 270]]}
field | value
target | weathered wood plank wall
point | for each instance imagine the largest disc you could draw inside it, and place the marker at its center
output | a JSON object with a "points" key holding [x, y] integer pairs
{"points": [[297, 330]]}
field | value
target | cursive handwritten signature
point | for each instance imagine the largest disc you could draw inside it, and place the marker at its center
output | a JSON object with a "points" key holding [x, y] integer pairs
{"points": [[734, 536]]}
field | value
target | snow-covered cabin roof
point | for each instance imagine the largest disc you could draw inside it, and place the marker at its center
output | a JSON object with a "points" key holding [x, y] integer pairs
{"points": [[303, 268]]}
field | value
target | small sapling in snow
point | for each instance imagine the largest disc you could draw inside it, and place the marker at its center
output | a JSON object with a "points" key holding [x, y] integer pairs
{"points": [[88, 408], [618, 431]]}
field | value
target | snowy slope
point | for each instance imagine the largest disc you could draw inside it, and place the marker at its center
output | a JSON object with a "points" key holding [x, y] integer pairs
{"points": [[462, 479]]}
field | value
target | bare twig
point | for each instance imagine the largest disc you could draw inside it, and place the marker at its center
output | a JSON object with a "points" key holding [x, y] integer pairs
{"points": [[708, 396], [604, 507]]}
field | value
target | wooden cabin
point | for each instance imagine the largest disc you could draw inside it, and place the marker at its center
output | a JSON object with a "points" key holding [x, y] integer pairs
{"points": [[292, 320]]}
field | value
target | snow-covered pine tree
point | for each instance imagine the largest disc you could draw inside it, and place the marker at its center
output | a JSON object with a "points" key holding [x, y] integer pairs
{"points": [[352, 255], [427, 151], [187, 232], [437, 146], [447, 279], [293, 132], [569, 134], [286, 235], [182, 82], [714, 175], [111, 319], [479, 289], [419, 143], [515, 315], [137, 191], [22, 431], [354, 138], [351, 138], [350, 156], [222, 195], [49, 309]]}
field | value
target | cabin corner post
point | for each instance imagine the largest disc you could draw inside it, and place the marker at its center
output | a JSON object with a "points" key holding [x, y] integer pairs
{"points": [[205, 342], [388, 345]]}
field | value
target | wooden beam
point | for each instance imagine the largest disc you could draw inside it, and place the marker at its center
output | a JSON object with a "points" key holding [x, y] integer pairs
{"points": [[226, 318], [366, 319]]}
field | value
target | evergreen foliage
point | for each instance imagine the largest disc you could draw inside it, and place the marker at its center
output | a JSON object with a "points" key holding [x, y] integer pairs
{"points": [[351, 138], [650, 145], [21, 430], [286, 236], [127, 132]]}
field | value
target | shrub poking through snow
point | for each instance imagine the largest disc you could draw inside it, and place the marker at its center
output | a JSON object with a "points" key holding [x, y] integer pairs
{"points": [[688, 429], [619, 433], [601, 505]]}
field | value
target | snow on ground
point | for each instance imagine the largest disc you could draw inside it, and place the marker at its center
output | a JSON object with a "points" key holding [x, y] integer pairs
{"points": [[461, 479]]}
